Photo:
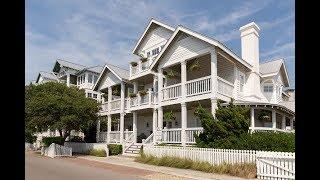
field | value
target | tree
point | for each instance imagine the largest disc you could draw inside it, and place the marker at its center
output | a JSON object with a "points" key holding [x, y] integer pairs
{"points": [[230, 121], [54, 106]]}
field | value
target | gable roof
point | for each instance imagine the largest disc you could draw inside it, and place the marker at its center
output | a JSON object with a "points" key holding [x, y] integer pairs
{"points": [[209, 40], [147, 29], [68, 64], [47, 75], [122, 74], [271, 68], [95, 69]]}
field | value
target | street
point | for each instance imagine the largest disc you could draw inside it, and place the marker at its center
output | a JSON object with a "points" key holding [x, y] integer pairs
{"points": [[40, 168]]}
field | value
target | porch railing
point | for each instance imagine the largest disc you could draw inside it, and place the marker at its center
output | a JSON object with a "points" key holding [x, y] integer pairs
{"points": [[115, 104], [171, 135], [171, 92], [198, 86], [190, 134], [126, 103], [104, 106], [115, 136], [268, 129], [102, 137], [225, 87]]}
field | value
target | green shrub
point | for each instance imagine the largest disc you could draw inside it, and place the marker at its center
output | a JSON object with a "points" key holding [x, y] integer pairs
{"points": [[97, 152], [30, 138], [114, 149], [247, 170], [47, 141], [76, 139]]}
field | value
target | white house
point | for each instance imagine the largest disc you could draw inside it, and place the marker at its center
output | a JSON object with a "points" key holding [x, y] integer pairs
{"points": [[181, 68]]}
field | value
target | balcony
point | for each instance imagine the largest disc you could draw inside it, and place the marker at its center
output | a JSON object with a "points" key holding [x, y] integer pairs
{"points": [[139, 67], [197, 87], [142, 101]]}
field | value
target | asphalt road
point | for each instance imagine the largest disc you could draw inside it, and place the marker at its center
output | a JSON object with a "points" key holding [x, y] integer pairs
{"points": [[43, 168]]}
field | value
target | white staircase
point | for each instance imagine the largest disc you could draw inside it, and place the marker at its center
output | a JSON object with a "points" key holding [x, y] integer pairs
{"points": [[133, 149]]}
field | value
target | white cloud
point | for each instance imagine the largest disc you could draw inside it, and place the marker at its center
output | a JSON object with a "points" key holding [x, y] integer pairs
{"points": [[284, 50]]}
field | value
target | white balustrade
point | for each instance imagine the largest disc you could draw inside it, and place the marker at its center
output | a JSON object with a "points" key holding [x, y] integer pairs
{"points": [[126, 103], [104, 106], [198, 86], [225, 87], [115, 104], [144, 99], [134, 101], [268, 129], [102, 137], [115, 136], [190, 134], [171, 135], [171, 92]]}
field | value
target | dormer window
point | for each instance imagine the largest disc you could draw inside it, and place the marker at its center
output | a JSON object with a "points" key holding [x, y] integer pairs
{"points": [[90, 78], [148, 54], [268, 88], [155, 51], [95, 78]]}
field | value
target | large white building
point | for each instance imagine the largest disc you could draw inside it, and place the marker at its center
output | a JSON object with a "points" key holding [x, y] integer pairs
{"points": [[179, 68]]}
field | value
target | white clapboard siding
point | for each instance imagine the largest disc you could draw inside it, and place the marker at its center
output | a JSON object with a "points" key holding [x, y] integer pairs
{"points": [[183, 49], [155, 37]]}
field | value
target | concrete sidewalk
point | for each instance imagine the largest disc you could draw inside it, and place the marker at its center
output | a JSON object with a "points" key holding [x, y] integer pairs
{"points": [[185, 173]]}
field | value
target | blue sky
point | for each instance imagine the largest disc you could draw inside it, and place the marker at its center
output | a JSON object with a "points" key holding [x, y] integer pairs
{"points": [[98, 31]]}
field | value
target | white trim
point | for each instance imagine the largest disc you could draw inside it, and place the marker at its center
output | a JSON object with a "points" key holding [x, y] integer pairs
{"points": [[101, 74], [147, 29]]}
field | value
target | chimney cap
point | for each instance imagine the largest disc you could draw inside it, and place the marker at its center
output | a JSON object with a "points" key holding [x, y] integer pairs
{"points": [[249, 26]]}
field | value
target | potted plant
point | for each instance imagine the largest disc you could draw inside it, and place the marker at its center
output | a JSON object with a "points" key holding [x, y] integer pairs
{"points": [[143, 92], [195, 66], [169, 116], [170, 74], [133, 64], [132, 95], [116, 92], [264, 115], [105, 96], [143, 58]]}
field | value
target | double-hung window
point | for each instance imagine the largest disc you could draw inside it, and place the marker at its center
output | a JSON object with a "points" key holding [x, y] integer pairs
{"points": [[95, 96], [155, 51], [90, 78], [268, 88], [90, 95]]}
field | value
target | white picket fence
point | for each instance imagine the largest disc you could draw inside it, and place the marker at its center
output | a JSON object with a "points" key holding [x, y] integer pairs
{"points": [[270, 165], [275, 165], [85, 147], [55, 150]]}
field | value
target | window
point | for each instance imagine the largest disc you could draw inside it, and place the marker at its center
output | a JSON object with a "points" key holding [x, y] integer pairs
{"points": [[155, 51], [95, 96], [90, 95], [241, 82], [95, 78], [268, 88], [90, 78], [148, 54]]}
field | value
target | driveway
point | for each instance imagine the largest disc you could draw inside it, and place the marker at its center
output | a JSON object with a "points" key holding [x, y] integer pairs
{"points": [[40, 168]]}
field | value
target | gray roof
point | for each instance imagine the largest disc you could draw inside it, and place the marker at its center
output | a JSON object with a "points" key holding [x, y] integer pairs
{"points": [[96, 69], [68, 64], [122, 73], [47, 75], [270, 67], [288, 104]]}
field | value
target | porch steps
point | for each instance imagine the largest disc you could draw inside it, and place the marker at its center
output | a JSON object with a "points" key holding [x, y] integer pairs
{"points": [[133, 150]]}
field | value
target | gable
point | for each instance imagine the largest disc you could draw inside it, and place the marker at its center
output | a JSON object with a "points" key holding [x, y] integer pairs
{"points": [[184, 47], [108, 79], [157, 36]]}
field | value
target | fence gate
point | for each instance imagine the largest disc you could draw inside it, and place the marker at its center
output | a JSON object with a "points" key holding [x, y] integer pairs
{"points": [[275, 165]]}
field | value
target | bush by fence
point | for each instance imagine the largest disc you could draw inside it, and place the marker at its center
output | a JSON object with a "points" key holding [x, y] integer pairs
{"points": [[47, 141], [114, 149], [97, 152]]}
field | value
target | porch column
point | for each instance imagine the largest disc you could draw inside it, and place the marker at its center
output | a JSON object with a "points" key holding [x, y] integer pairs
{"points": [[154, 124], [252, 119], [134, 126], [122, 97], [274, 120], [68, 79], [98, 131], [183, 80], [214, 82], [109, 128], [214, 106], [121, 127], [109, 98], [291, 123], [283, 126], [183, 124], [160, 117], [160, 85]]}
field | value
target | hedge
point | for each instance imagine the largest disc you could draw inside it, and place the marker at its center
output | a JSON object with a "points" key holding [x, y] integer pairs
{"points": [[47, 141], [97, 152], [114, 149], [30, 138], [261, 141]]}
